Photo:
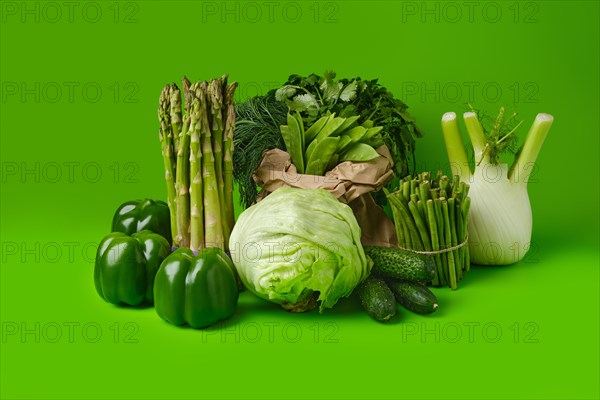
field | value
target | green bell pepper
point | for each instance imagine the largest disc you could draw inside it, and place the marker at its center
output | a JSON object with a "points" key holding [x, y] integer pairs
{"points": [[126, 266], [137, 215], [197, 290]]}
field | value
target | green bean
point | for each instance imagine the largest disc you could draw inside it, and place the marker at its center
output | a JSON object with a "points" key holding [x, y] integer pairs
{"points": [[406, 189], [413, 186], [356, 133], [465, 213], [319, 158], [309, 150], [372, 132], [399, 227], [416, 242], [330, 128], [448, 239], [453, 241], [345, 141], [349, 123], [422, 210], [359, 152], [315, 128], [435, 241], [464, 191], [424, 190], [420, 225], [440, 227], [460, 233], [294, 142], [333, 161]]}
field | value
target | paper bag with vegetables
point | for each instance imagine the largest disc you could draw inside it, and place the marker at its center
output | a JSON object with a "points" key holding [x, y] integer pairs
{"points": [[338, 155], [334, 132]]}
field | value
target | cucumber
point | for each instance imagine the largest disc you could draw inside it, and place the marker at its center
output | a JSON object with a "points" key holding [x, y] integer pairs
{"points": [[377, 299], [414, 296], [401, 264]]}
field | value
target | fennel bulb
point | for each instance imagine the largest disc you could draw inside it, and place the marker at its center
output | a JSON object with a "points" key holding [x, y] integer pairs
{"points": [[500, 220]]}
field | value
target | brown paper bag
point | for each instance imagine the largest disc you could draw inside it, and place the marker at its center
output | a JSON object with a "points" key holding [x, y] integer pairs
{"points": [[349, 182]]}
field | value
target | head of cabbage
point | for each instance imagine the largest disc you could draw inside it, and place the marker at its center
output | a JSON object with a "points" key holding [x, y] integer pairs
{"points": [[298, 247]]}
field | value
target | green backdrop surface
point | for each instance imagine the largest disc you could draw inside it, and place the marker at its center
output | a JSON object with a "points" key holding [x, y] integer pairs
{"points": [[80, 84]]}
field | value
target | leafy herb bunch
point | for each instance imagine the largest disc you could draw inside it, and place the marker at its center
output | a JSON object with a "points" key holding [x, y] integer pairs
{"points": [[314, 96]]}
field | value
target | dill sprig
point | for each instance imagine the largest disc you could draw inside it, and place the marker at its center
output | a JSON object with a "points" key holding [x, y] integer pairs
{"points": [[257, 123], [500, 136]]}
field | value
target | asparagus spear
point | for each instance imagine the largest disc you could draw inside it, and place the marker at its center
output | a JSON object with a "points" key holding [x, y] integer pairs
{"points": [[196, 198], [182, 175], [166, 140], [215, 102], [223, 83], [213, 227], [229, 108], [175, 111]]}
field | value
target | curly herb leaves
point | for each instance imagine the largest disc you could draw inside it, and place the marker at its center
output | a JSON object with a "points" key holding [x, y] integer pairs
{"points": [[313, 96], [500, 137]]}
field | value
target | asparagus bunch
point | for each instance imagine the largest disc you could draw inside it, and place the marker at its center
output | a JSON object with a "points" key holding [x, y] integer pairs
{"points": [[430, 216], [197, 145]]}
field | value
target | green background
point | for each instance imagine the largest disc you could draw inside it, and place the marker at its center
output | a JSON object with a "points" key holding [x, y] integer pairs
{"points": [[544, 57]]}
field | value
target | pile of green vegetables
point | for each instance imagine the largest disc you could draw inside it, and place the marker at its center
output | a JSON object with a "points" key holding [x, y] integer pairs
{"points": [[314, 96], [356, 102], [301, 248], [134, 266], [196, 284]]}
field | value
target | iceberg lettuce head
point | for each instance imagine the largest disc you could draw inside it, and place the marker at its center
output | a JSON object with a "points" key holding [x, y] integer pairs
{"points": [[299, 247]]}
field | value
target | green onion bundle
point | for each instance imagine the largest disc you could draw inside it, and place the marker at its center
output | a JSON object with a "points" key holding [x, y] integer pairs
{"points": [[430, 216]]}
